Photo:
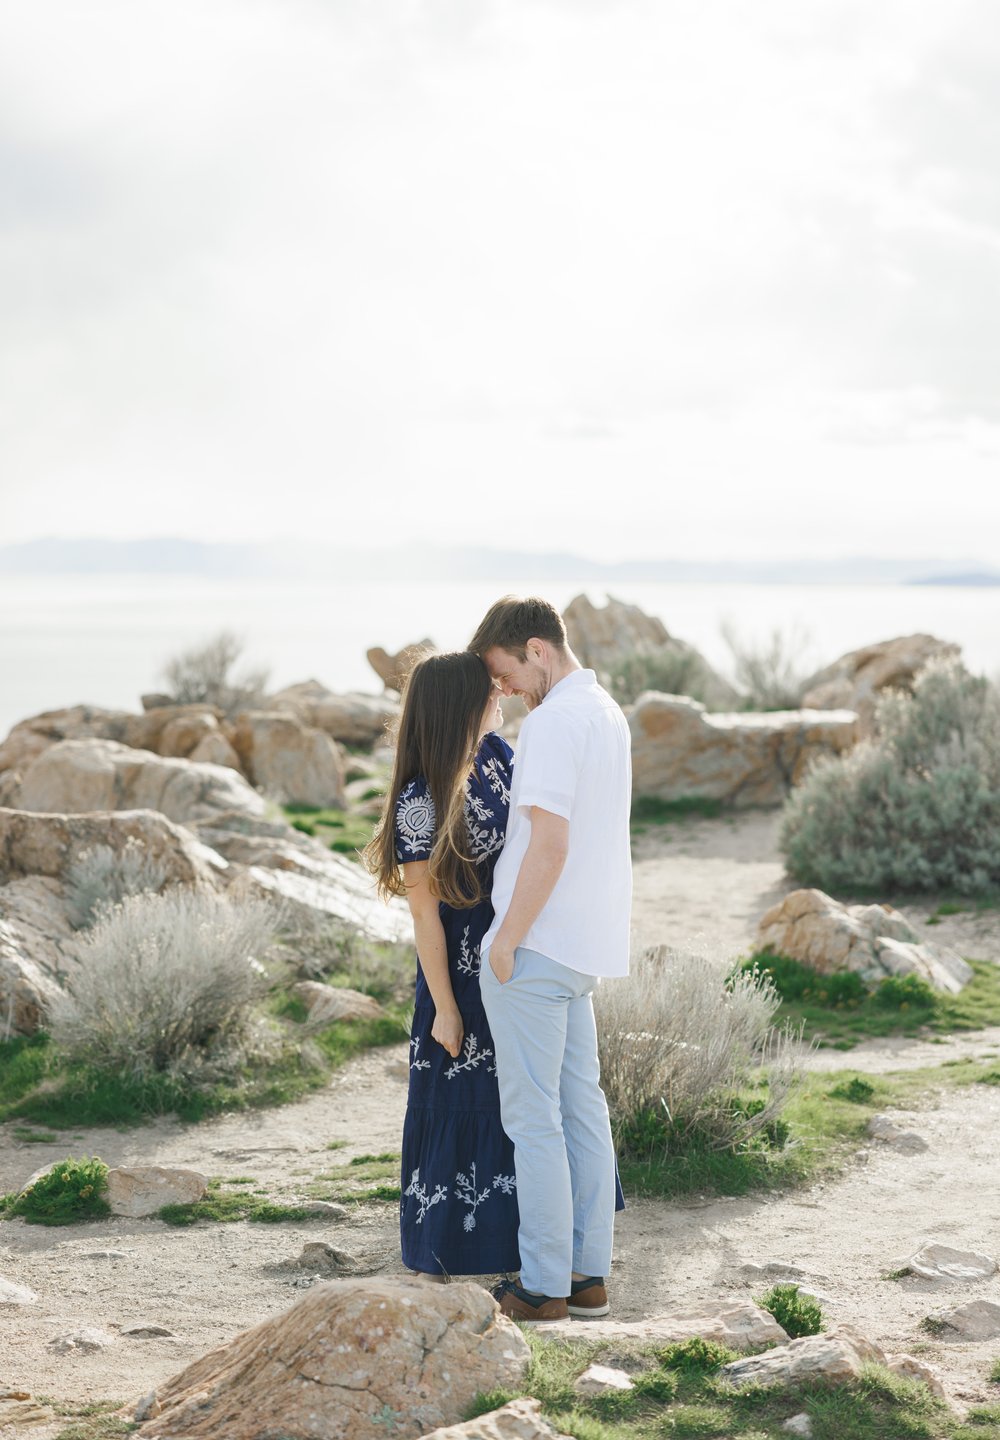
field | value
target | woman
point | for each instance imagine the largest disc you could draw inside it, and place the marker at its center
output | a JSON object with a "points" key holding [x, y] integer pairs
{"points": [[442, 830]]}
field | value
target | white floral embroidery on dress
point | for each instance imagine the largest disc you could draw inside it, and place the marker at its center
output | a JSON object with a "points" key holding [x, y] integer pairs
{"points": [[418, 1191], [467, 1192], [472, 1057], [496, 781], [506, 1183], [415, 819], [469, 959], [415, 1062]]}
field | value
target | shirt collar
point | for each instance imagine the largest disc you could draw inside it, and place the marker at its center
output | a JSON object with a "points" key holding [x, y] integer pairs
{"points": [[575, 677]]}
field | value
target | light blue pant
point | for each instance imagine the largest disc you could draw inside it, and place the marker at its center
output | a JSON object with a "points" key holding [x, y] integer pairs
{"points": [[554, 1111]]}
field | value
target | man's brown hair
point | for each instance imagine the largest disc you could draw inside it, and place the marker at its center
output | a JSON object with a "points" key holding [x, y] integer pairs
{"points": [[514, 620]]}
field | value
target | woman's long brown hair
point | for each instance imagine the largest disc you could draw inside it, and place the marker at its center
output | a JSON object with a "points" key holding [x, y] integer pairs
{"points": [[438, 735]]}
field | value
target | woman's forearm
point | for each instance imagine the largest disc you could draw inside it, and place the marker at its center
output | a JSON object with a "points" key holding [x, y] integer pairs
{"points": [[432, 951]]}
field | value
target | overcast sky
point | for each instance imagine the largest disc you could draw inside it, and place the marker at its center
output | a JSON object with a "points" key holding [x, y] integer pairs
{"points": [[623, 277]]}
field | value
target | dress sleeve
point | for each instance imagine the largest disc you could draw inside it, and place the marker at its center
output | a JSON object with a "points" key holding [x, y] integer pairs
{"points": [[414, 822]]}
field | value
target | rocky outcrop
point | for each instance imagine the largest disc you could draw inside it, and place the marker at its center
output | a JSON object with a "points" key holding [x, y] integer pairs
{"points": [[873, 940], [89, 722], [293, 763], [392, 670], [74, 776], [37, 949], [855, 681], [603, 637], [353, 1360], [679, 750], [351, 719]]}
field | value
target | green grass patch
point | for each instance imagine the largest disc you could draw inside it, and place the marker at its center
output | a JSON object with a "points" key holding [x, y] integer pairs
{"points": [[223, 1207], [839, 1010], [91, 1419], [649, 810], [71, 1191], [342, 830], [993, 1374], [678, 1393], [37, 1085], [365, 1178], [24, 1135]]}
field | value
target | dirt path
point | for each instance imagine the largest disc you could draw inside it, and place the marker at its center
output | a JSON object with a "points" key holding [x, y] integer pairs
{"points": [[705, 882]]}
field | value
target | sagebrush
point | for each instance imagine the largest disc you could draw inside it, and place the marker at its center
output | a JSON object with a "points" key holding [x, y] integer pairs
{"points": [[166, 983], [203, 675], [682, 1037], [770, 673], [915, 808], [100, 877], [668, 672]]}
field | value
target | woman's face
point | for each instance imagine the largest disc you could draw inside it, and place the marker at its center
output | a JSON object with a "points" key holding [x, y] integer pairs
{"points": [[492, 715]]}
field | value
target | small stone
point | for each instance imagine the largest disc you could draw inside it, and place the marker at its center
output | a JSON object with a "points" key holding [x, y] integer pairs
{"points": [[147, 1407], [800, 1424], [326, 1003], [137, 1191], [978, 1320], [914, 1369], [941, 1262], [319, 1256], [517, 1420], [84, 1342], [12, 1294], [19, 1411], [147, 1331], [838, 1355], [597, 1379], [880, 1127], [329, 1209], [103, 1254]]}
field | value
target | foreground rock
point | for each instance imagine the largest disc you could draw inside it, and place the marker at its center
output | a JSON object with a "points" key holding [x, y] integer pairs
{"points": [[941, 1262], [517, 1420], [13, 1294], [83, 775], [837, 1356], [602, 638], [873, 940], [880, 1127], [352, 1360], [737, 1324], [327, 1003], [856, 680], [351, 719], [294, 763], [140, 1190], [392, 670], [679, 750]]}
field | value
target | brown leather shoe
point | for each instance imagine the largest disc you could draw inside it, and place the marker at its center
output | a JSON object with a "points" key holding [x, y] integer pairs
{"points": [[517, 1304], [588, 1298]]}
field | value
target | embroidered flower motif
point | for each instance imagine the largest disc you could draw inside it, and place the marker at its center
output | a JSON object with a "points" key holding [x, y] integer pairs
{"points": [[506, 1183], [472, 1058], [469, 959], [415, 820], [467, 1192], [418, 1191], [495, 779], [415, 1062]]}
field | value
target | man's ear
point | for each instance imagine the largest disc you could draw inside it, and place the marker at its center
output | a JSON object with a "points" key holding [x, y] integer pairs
{"points": [[535, 648]]}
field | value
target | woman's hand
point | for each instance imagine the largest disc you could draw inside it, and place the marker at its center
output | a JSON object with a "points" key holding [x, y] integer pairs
{"points": [[448, 1030]]}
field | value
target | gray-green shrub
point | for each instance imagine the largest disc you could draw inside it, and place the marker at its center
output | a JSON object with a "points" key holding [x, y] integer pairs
{"points": [[203, 675], [684, 1036], [916, 808], [166, 983], [770, 673], [100, 877], [670, 672]]}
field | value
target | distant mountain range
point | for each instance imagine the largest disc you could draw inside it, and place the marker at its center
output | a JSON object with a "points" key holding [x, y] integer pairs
{"points": [[288, 559]]}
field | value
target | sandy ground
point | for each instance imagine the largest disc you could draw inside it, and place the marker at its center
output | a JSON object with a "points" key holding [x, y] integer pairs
{"points": [[700, 882]]}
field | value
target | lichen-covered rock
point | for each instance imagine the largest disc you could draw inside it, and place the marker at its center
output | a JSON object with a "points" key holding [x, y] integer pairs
{"points": [[295, 764], [75, 776], [517, 1420], [139, 1190], [855, 681], [873, 940], [679, 750], [737, 1324], [352, 1360]]}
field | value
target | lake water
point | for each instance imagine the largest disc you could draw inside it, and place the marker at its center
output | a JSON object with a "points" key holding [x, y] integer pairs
{"points": [[104, 639]]}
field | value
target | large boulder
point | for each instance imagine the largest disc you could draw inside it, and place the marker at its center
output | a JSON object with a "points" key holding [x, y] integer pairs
{"points": [[392, 670], [352, 1360], [35, 939], [855, 681], [873, 940], [294, 763], [679, 750], [89, 722], [74, 776], [602, 637], [352, 719]]}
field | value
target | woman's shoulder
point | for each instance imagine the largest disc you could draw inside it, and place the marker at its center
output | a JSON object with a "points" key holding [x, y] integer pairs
{"points": [[494, 746]]}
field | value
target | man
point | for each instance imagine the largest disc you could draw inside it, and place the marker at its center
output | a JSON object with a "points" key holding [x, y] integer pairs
{"points": [[562, 894]]}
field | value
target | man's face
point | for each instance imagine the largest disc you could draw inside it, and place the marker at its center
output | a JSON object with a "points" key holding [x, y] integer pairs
{"points": [[529, 678]]}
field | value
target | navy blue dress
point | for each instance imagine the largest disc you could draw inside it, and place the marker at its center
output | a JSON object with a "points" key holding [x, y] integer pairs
{"points": [[458, 1208]]}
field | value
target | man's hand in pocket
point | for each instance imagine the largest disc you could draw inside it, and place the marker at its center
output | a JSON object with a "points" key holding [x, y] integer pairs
{"points": [[501, 962]]}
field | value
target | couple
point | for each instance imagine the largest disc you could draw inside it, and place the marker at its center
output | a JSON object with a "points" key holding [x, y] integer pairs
{"points": [[518, 877]]}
